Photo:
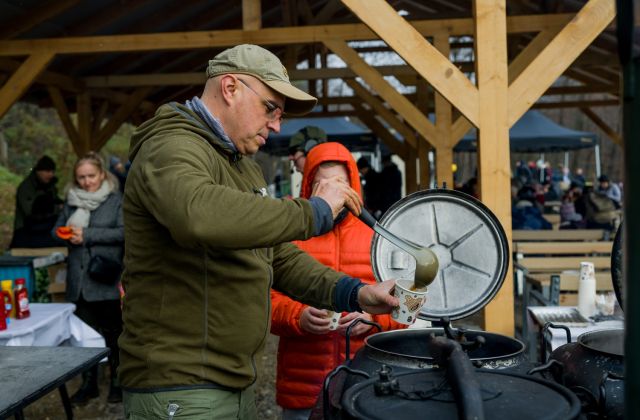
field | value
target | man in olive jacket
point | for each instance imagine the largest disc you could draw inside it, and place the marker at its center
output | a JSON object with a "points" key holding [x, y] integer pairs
{"points": [[204, 245]]}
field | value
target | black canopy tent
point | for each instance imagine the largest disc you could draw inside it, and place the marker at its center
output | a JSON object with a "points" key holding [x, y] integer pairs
{"points": [[536, 133], [341, 129]]}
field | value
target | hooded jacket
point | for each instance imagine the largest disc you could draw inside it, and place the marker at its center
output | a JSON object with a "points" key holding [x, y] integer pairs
{"points": [[203, 247], [304, 359]]}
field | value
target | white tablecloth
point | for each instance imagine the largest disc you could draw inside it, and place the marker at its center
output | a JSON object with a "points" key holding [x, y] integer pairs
{"points": [[50, 324], [559, 336]]}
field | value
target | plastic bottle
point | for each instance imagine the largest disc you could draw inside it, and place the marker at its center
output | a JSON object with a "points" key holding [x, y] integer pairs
{"points": [[7, 302], [21, 299]]}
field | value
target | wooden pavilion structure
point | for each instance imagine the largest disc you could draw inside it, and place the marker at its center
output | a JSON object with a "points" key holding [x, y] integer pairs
{"points": [[113, 61]]}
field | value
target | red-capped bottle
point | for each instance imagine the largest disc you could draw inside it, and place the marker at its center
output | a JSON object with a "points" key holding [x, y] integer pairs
{"points": [[21, 299]]}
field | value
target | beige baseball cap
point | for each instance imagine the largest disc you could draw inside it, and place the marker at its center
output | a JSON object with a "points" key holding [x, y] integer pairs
{"points": [[261, 63]]}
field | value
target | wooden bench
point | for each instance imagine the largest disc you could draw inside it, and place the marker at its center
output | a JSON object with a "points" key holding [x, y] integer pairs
{"points": [[547, 272], [560, 235]]}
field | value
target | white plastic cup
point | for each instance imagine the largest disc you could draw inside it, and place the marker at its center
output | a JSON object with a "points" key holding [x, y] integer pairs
{"points": [[587, 290], [334, 319], [411, 301]]}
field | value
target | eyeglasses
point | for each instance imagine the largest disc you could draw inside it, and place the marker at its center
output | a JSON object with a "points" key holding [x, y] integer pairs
{"points": [[274, 112]]}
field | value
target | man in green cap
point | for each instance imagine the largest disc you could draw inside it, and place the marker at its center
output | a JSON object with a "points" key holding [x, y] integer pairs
{"points": [[205, 244], [302, 142]]}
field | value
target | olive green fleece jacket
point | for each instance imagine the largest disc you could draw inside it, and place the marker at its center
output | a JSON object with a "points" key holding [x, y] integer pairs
{"points": [[203, 247]]}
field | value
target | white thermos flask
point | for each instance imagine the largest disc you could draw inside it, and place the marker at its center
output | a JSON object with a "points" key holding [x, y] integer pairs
{"points": [[587, 290]]}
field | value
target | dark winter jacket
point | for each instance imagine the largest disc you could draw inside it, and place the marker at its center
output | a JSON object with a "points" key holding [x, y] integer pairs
{"points": [[105, 237]]}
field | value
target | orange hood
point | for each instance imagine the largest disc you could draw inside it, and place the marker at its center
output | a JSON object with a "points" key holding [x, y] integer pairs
{"points": [[328, 152]]}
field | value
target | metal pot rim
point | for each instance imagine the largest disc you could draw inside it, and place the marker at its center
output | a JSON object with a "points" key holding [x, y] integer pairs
{"points": [[584, 338], [415, 331]]}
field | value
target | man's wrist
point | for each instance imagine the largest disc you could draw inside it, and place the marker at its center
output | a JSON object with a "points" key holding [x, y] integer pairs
{"points": [[353, 298]]}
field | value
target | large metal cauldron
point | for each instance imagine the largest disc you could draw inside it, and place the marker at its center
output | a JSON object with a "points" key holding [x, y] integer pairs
{"points": [[593, 368], [455, 391]]}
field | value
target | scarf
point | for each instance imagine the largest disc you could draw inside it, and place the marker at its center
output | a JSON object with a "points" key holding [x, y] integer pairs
{"points": [[86, 202], [200, 108]]}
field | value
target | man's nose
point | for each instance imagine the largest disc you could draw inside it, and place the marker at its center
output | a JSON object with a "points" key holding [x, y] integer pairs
{"points": [[274, 126]]}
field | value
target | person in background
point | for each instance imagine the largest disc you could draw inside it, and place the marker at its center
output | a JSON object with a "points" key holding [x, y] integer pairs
{"points": [[370, 186], [527, 212], [37, 207], [93, 212], [578, 178], [117, 168], [390, 183], [301, 144], [206, 244], [308, 349], [610, 189]]}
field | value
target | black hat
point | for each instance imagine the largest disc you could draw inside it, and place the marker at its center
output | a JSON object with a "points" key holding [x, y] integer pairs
{"points": [[363, 162], [45, 164], [603, 178]]}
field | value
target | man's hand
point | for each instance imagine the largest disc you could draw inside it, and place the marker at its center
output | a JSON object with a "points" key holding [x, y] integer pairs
{"points": [[315, 321], [377, 298], [338, 195]]}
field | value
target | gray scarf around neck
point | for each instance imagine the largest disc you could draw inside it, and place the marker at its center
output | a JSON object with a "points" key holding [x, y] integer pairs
{"points": [[197, 106], [86, 202]]}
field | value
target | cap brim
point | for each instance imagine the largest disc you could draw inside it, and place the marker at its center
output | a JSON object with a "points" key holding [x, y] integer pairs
{"points": [[298, 102]]}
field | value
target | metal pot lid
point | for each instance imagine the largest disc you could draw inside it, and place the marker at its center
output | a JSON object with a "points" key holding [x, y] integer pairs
{"points": [[505, 395], [467, 238]]}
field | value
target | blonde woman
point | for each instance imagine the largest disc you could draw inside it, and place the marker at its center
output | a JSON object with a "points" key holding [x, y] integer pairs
{"points": [[93, 215]]}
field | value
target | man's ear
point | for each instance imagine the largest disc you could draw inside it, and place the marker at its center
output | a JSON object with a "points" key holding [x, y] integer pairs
{"points": [[228, 87]]}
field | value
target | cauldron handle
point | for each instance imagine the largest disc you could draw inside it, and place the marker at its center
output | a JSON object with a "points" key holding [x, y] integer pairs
{"points": [[543, 338], [602, 389], [326, 402], [348, 341], [555, 367]]}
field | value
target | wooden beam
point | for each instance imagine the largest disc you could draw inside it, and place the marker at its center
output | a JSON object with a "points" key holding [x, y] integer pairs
{"points": [[422, 101], [399, 103], [121, 115], [610, 132], [85, 117], [386, 114], [381, 131], [265, 36], [429, 63], [556, 57], [46, 77], [493, 145], [444, 152], [22, 78], [576, 104], [63, 113], [526, 56], [251, 15], [34, 16]]}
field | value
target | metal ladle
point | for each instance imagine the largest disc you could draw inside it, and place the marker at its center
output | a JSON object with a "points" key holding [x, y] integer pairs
{"points": [[426, 260]]}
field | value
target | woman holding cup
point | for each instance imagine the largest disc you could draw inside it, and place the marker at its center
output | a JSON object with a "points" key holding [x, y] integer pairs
{"points": [[92, 227], [312, 341]]}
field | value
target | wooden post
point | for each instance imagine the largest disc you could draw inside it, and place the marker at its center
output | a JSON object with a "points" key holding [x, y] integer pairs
{"points": [[63, 114], [493, 135], [424, 178], [85, 119], [444, 152], [251, 15]]}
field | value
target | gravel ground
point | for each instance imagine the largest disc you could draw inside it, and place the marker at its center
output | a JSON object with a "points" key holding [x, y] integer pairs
{"points": [[50, 407]]}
